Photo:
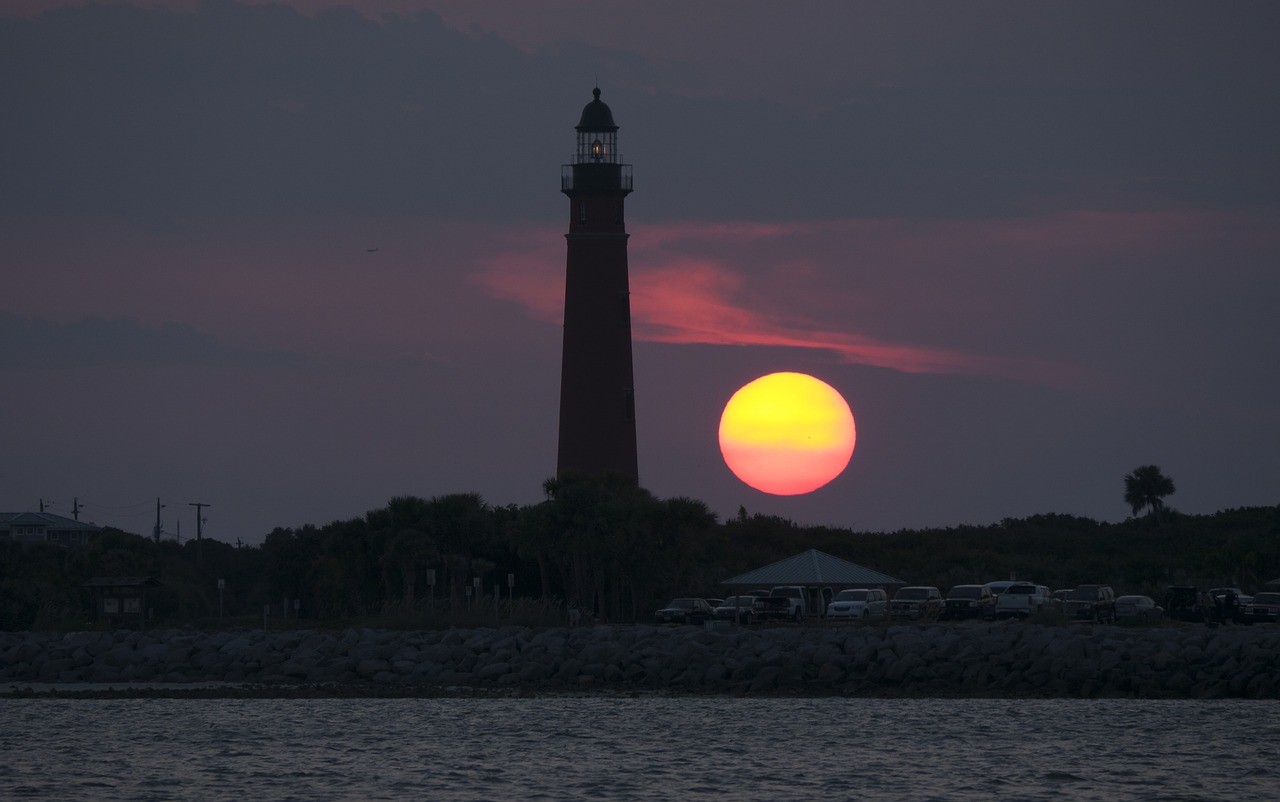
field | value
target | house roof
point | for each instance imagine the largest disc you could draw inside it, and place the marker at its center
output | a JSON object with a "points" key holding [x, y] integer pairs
{"points": [[813, 567], [58, 523]]}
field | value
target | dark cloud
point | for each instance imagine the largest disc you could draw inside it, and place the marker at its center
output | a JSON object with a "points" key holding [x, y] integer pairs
{"points": [[259, 110], [93, 342]]}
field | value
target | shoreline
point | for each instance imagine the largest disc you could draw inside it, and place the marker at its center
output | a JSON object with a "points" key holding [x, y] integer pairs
{"points": [[929, 660]]}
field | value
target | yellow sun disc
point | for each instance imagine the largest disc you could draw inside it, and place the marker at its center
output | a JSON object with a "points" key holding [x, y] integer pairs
{"points": [[787, 434]]}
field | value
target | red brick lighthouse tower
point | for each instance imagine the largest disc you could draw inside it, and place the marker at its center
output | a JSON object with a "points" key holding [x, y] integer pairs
{"points": [[597, 389]]}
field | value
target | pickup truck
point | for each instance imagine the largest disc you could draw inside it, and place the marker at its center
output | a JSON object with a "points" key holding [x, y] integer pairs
{"points": [[1023, 600], [784, 603], [794, 603]]}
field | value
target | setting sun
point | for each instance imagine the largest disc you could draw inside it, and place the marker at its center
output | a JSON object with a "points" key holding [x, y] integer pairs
{"points": [[787, 434]]}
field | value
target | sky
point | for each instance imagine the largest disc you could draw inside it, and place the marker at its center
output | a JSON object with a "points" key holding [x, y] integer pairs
{"points": [[291, 260]]}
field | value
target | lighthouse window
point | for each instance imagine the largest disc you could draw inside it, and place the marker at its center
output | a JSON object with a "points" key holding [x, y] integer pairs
{"points": [[582, 211], [629, 404]]}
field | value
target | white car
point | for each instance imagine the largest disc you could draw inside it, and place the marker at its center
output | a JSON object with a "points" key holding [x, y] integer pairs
{"points": [[860, 603]]}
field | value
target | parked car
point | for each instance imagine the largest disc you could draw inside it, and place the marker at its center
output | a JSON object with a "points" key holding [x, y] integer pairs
{"points": [[1001, 585], [796, 602], [1241, 596], [1097, 602], [684, 611], [917, 601], [970, 601], [714, 603], [1262, 607], [1138, 607], [861, 603], [738, 609], [1022, 600]]}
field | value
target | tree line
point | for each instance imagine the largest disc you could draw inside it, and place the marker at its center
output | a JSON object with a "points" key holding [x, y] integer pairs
{"points": [[615, 550]]}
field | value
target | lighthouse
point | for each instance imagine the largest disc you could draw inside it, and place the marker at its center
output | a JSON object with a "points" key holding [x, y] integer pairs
{"points": [[597, 387]]}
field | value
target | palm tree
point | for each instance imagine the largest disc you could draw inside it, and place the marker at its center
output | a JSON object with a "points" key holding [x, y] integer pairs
{"points": [[1146, 487]]}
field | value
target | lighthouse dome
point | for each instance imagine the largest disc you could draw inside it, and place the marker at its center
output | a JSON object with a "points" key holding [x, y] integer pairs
{"points": [[596, 115]]}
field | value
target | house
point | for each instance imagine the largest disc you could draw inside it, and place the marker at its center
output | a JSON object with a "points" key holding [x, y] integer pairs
{"points": [[45, 527]]}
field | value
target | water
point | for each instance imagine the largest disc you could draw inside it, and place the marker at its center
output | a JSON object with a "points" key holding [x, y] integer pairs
{"points": [[605, 748]]}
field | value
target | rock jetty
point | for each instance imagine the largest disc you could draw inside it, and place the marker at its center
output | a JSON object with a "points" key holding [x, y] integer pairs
{"points": [[1009, 659]]}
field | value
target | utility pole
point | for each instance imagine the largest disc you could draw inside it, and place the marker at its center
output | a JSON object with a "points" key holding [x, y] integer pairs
{"points": [[199, 530], [159, 507], [43, 502], [75, 507]]}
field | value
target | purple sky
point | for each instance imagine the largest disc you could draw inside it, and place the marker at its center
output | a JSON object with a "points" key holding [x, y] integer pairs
{"points": [[1033, 245]]}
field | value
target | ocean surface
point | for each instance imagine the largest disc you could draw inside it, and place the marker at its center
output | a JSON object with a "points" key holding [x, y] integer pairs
{"points": [[646, 748]]}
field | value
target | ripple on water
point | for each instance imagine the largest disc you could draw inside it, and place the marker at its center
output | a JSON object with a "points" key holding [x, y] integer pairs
{"points": [[601, 748]]}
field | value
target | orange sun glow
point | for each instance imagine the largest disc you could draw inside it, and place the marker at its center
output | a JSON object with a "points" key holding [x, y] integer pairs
{"points": [[787, 434]]}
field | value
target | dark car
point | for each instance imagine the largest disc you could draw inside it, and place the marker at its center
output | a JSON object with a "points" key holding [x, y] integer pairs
{"points": [[1262, 607], [1138, 607], [1097, 602], [738, 609], [684, 611], [970, 601], [917, 601]]}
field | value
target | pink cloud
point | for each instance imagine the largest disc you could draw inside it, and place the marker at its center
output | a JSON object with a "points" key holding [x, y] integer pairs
{"points": [[697, 303], [838, 286], [682, 299]]}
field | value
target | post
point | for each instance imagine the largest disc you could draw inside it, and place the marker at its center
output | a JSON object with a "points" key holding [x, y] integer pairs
{"points": [[222, 584], [199, 527], [511, 601]]}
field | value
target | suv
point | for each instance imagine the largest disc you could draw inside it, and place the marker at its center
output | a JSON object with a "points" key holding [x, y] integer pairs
{"points": [[1091, 601], [1262, 607], [861, 603], [970, 601], [916, 601], [1023, 600]]}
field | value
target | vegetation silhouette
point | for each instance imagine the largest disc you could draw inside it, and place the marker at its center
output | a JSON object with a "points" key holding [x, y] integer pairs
{"points": [[609, 546], [1145, 488]]}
